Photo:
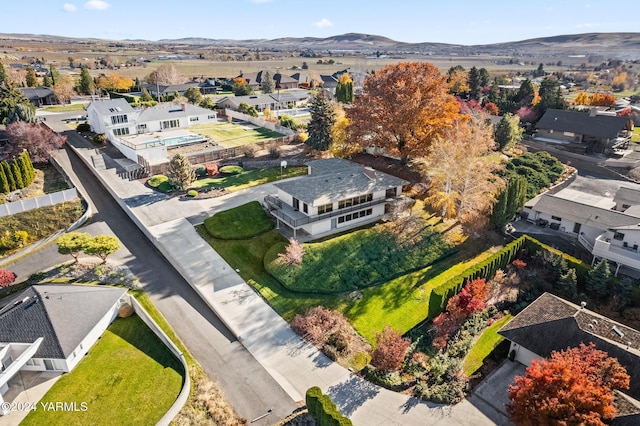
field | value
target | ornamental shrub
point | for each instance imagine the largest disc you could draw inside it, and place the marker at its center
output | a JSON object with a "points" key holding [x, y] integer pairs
{"points": [[192, 193], [231, 170], [155, 181]]}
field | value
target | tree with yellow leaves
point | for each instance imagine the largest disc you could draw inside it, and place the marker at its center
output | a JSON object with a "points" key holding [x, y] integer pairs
{"points": [[582, 99]]}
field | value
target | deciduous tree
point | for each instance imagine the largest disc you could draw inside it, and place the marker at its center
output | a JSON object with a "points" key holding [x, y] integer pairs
{"points": [[391, 350], [572, 387], [165, 74], [101, 246], [72, 243], [114, 82], [3, 75], [245, 108], [293, 254], [344, 89], [181, 173], [63, 88], [6, 278], [322, 121], [403, 109], [37, 139], [240, 87], [193, 95], [32, 78]]}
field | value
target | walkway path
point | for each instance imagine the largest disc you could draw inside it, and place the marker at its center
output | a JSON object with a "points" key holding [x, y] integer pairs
{"points": [[296, 365]]}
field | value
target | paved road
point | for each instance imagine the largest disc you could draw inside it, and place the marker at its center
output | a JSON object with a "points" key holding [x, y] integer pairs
{"points": [[245, 383]]}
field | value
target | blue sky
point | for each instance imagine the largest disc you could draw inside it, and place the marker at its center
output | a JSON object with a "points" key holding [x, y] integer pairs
{"points": [[455, 21]]}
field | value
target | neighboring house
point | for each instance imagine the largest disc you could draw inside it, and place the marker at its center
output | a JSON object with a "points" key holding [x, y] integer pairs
{"points": [[273, 101], [608, 225], [597, 133], [334, 195], [280, 80], [305, 80], [40, 95], [554, 324], [51, 327], [168, 90], [145, 132]]}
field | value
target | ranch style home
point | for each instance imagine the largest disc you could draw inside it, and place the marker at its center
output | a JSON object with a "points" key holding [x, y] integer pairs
{"points": [[147, 132], [334, 195], [607, 224], [51, 327], [551, 323]]}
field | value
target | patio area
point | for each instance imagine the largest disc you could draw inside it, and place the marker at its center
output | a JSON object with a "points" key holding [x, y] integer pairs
{"points": [[27, 387]]}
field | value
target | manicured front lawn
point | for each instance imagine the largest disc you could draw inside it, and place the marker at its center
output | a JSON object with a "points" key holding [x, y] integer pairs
{"points": [[248, 178], [128, 377], [63, 108], [635, 137], [245, 221], [484, 346], [229, 135]]}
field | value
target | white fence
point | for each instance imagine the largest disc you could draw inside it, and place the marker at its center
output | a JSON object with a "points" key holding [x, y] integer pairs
{"points": [[34, 203]]}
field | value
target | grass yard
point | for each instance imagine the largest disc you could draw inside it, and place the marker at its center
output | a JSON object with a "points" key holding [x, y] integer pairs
{"points": [[245, 221], [359, 259], [64, 108], [248, 178], [487, 342], [128, 377], [229, 135], [635, 137]]}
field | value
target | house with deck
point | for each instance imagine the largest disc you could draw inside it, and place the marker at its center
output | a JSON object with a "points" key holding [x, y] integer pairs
{"points": [[51, 327], [595, 133], [335, 194], [551, 323], [147, 132]]}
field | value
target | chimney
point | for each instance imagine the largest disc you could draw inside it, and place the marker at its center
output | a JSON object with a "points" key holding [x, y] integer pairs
{"points": [[371, 174], [593, 112], [184, 106]]}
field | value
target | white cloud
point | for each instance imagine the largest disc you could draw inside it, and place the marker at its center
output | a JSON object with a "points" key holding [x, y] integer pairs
{"points": [[97, 5], [69, 7], [323, 23]]}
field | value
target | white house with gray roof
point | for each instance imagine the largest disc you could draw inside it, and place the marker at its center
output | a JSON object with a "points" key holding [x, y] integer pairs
{"points": [[336, 194], [51, 327], [147, 132], [604, 216]]}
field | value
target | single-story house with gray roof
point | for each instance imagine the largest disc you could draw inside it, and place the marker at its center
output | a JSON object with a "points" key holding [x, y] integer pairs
{"points": [[40, 95], [551, 323], [51, 327], [598, 133], [336, 194]]}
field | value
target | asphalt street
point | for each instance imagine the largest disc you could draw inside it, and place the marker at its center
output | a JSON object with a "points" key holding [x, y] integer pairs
{"points": [[244, 382]]}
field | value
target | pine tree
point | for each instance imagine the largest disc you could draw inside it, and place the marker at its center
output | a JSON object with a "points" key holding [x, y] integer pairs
{"points": [[624, 288], [27, 166], [267, 85], [509, 201], [17, 175], [598, 279], [46, 81], [568, 284], [181, 174], [146, 96], [4, 183], [344, 89], [32, 78], [475, 89], [3, 74], [86, 85], [322, 120], [55, 75], [9, 175]]}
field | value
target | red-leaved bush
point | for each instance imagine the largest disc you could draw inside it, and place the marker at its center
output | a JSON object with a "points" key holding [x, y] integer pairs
{"points": [[293, 253], [6, 278], [390, 351]]}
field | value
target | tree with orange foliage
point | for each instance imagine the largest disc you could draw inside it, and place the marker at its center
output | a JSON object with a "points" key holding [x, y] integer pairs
{"points": [[114, 82], [403, 109], [571, 387], [390, 351], [602, 99], [582, 99]]}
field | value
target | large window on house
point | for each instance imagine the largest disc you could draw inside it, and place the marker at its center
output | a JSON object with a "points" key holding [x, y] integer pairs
{"points": [[119, 119], [354, 201], [559, 219], [618, 236], [170, 124], [327, 208], [356, 215], [121, 131], [192, 119]]}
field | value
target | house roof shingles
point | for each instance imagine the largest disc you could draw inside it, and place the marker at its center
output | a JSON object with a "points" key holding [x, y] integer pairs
{"points": [[62, 314], [335, 180], [111, 106], [35, 93], [628, 196], [553, 324], [600, 126], [168, 111]]}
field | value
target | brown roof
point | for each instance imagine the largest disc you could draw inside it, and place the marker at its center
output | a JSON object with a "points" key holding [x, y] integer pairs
{"points": [[553, 324]]}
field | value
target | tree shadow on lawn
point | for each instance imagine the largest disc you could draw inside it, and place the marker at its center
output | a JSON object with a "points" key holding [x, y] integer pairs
{"points": [[352, 394], [135, 332]]}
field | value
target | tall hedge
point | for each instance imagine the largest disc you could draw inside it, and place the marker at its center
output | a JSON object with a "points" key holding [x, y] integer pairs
{"points": [[509, 201], [323, 409], [4, 183], [18, 173], [7, 172]]}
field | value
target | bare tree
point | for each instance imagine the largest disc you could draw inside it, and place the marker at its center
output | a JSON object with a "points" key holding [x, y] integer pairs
{"points": [[166, 74]]}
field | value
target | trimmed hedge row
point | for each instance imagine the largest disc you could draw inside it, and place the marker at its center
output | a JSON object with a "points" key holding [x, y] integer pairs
{"points": [[17, 173], [488, 267], [323, 409]]}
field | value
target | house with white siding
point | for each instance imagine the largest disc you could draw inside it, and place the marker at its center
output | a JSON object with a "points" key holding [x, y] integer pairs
{"points": [[336, 194], [51, 327]]}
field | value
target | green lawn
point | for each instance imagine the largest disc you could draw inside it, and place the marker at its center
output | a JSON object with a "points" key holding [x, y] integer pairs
{"points": [[248, 178], [635, 137], [242, 222], [128, 377], [63, 108], [487, 342], [229, 135]]}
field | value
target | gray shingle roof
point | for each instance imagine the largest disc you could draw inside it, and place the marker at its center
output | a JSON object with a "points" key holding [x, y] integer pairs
{"points": [[62, 314], [600, 126], [553, 324], [336, 179], [36, 92], [170, 89], [582, 213], [169, 111], [628, 196], [111, 106]]}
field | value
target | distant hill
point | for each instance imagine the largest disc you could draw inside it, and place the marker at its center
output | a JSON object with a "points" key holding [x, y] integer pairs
{"points": [[620, 45]]}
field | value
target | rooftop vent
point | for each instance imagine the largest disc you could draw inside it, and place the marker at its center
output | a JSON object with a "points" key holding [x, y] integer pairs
{"points": [[618, 331], [583, 304]]}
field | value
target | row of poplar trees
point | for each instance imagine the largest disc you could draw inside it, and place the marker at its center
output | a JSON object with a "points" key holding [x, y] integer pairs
{"points": [[17, 173]]}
